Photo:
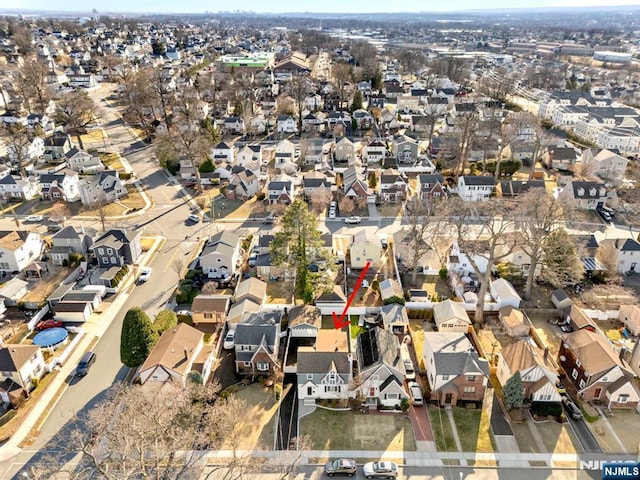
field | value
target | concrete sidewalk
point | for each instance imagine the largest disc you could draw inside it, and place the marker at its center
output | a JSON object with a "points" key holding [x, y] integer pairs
{"points": [[93, 329]]}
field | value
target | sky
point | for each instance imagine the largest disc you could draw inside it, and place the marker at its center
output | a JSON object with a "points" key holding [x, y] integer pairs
{"points": [[279, 6]]}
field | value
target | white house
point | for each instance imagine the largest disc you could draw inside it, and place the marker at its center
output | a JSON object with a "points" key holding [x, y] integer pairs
{"points": [[221, 256], [82, 162], [18, 188], [22, 365], [103, 186], [472, 188], [286, 124], [222, 152], [538, 372], [504, 294], [18, 249], [450, 316]]}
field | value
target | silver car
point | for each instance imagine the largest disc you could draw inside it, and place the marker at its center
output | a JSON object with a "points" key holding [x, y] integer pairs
{"points": [[380, 470]]}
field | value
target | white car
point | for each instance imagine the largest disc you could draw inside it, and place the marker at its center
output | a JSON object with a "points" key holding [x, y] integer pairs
{"points": [[352, 220], [194, 218], [229, 340], [33, 218], [145, 274], [332, 213], [416, 393], [184, 313], [380, 470]]}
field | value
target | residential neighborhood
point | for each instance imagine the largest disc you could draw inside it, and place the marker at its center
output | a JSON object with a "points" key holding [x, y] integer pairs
{"points": [[344, 242]]}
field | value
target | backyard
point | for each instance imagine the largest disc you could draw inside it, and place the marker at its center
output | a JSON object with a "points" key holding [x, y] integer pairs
{"points": [[330, 430], [40, 289], [258, 427]]}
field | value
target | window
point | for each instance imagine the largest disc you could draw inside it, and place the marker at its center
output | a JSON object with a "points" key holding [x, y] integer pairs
{"points": [[582, 384], [101, 251], [113, 259], [469, 389], [471, 378], [332, 388], [623, 398], [247, 364], [109, 251], [309, 391], [105, 259], [574, 374], [392, 396], [445, 377], [245, 348], [309, 376], [578, 363], [208, 315], [262, 366]]}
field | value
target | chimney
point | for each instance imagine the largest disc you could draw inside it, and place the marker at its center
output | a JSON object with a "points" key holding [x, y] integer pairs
{"points": [[186, 353]]}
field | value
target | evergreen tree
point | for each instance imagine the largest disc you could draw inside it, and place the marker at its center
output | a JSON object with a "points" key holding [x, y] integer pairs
{"points": [[137, 339], [165, 320], [513, 395]]}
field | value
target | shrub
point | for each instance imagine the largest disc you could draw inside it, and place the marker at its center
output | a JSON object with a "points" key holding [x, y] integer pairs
{"points": [[261, 196], [442, 273], [394, 299], [375, 286], [404, 405], [65, 263], [544, 409]]}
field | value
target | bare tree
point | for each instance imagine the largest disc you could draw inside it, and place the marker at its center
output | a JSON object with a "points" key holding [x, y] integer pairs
{"points": [[178, 265], [77, 111], [346, 205], [319, 199], [420, 217], [538, 216], [155, 434], [498, 84], [342, 75], [466, 129], [299, 88], [482, 230], [17, 140], [32, 83]]}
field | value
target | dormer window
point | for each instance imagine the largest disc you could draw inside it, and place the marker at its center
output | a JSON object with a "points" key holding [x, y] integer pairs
{"points": [[592, 192], [581, 192]]}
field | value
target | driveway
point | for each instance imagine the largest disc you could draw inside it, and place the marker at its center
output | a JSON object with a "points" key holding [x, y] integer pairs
{"points": [[585, 435]]}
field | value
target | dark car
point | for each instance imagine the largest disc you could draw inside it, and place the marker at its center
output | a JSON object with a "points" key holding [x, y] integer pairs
{"points": [[51, 323], [86, 361], [571, 408], [342, 466]]}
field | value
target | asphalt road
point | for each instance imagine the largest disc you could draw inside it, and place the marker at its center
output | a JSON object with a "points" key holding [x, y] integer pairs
{"points": [[464, 473]]}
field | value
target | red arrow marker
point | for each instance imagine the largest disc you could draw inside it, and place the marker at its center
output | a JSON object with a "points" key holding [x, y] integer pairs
{"points": [[341, 322]]}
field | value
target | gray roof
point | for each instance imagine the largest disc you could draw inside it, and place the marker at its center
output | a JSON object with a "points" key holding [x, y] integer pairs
{"points": [[456, 356], [322, 362], [478, 180], [377, 346], [247, 334], [67, 232]]}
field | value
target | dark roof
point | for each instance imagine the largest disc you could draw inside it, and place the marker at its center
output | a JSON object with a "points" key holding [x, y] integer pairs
{"points": [[67, 232], [70, 306], [516, 187], [628, 245], [247, 334], [559, 294], [478, 180], [321, 362], [13, 357], [117, 238]]}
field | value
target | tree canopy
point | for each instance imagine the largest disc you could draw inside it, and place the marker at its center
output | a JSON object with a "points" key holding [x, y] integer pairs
{"points": [[513, 396], [297, 245], [165, 319], [138, 338]]}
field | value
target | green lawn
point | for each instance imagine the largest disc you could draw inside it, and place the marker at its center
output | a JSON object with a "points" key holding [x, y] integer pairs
{"points": [[355, 329], [473, 432], [441, 429], [331, 430]]}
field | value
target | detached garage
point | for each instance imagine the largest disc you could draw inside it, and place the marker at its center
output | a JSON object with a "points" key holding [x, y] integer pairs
{"points": [[72, 312]]}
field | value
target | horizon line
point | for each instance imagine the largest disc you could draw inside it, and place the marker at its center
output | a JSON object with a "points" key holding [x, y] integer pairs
{"points": [[253, 12]]}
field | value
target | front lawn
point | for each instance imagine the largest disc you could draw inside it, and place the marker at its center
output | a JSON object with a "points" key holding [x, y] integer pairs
{"points": [[473, 429], [257, 429], [441, 429], [331, 430]]}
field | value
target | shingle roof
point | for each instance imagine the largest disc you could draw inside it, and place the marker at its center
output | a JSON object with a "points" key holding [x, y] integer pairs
{"points": [[13, 357], [323, 362]]}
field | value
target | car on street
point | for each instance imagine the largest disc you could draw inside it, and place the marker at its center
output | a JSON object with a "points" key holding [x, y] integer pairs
{"points": [[184, 313], [50, 323], [416, 394], [352, 220], [145, 274], [56, 220], [269, 219], [86, 361], [193, 218], [571, 408], [342, 466], [229, 340], [33, 218], [380, 470]]}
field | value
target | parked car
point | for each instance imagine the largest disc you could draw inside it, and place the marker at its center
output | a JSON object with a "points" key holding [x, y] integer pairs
{"points": [[606, 215], [571, 408], [86, 361], [50, 323], [33, 218], [193, 218], [54, 228], [380, 470], [352, 220], [146, 273], [56, 220], [416, 394], [410, 372], [269, 219], [252, 259], [560, 388], [184, 313], [229, 340], [332, 213], [342, 466]]}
